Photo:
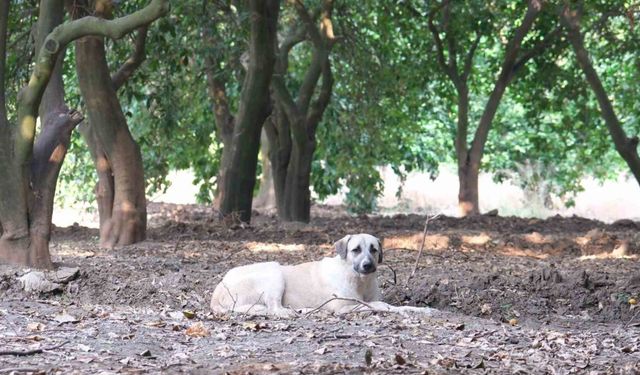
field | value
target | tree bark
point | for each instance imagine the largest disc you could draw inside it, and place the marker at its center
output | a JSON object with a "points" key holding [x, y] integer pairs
{"points": [[626, 147], [468, 192], [26, 197], [237, 184], [279, 139], [217, 91], [297, 193], [266, 197]]}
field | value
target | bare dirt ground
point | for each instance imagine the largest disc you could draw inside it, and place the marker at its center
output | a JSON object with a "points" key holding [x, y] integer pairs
{"points": [[513, 296]]}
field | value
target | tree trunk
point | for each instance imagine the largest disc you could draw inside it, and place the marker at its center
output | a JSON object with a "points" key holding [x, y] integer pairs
{"points": [[115, 150], [216, 89], [104, 189], [49, 151], [626, 147], [468, 204], [266, 198], [297, 187], [237, 184], [279, 139]]}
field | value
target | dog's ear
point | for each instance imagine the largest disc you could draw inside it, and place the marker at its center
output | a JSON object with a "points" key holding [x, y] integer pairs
{"points": [[341, 246], [379, 251]]}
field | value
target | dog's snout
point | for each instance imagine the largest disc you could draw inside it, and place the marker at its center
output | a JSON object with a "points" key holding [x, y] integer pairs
{"points": [[368, 266]]}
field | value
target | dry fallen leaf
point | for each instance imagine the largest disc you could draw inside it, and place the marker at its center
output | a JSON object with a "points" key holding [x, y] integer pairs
{"points": [[322, 350], [485, 309], [513, 321], [253, 326], [65, 318], [189, 314], [197, 330], [399, 360], [35, 327]]}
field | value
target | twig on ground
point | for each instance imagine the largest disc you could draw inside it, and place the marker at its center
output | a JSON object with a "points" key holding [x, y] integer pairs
{"points": [[336, 298], [632, 318], [20, 369], [424, 238], [254, 304], [21, 353], [233, 307], [395, 277]]}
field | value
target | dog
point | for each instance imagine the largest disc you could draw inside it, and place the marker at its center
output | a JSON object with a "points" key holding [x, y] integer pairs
{"points": [[340, 284]]}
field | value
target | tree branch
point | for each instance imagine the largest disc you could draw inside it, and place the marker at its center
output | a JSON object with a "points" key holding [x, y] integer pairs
{"points": [[321, 103], [513, 48], [448, 69], [451, 41], [536, 50], [136, 59], [307, 20], [626, 147], [216, 88], [468, 61], [295, 37], [279, 88]]}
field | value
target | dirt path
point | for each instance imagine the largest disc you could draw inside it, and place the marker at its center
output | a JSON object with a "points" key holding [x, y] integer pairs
{"points": [[514, 296]]}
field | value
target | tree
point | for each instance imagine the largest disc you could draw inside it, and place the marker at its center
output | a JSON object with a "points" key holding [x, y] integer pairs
{"points": [[239, 176], [626, 146], [469, 156], [31, 163], [120, 191], [291, 130]]}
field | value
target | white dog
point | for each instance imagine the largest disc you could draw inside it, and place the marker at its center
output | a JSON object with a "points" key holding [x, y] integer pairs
{"points": [[339, 284]]}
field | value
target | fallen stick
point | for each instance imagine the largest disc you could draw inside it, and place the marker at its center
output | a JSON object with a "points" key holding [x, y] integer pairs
{"points": [[21, 369], [21, 353], [424, 238], [336, 298]]}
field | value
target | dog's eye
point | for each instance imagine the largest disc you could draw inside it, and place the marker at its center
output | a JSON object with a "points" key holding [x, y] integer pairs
{"points": [[357, 250], [372, 249]]}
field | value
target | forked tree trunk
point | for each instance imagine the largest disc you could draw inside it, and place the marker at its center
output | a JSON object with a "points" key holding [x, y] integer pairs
{"points": [[236, 194], [120, 191], [49, 151], [293, 130], [470, 158], [26, 195], [626, 147]]}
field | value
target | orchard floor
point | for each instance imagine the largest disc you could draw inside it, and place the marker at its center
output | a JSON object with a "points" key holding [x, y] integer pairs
{"points": [[513, 296]]}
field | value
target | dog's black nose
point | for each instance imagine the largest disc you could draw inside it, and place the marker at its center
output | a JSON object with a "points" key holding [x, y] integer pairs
{"points": [[368, 266]]}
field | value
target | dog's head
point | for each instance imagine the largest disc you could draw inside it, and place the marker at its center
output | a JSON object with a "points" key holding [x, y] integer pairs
{"points": [[363, 251]]}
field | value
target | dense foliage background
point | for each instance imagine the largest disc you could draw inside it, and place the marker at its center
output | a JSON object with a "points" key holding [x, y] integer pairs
{"points": [[391, 105]]}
